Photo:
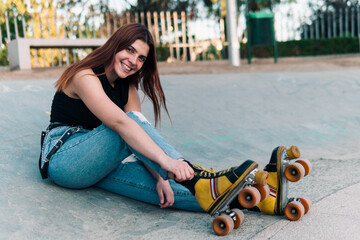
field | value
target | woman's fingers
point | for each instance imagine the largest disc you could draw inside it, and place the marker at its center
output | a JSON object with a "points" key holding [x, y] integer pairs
{"points": [[184, 172], [179, 170], [166, 194]]}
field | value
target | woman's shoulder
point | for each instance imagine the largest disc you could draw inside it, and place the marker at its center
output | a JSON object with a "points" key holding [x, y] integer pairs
{"points": [[85, 73], [82, 80]]}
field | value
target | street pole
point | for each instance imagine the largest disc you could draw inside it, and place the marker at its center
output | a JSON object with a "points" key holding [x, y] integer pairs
{"points": [[234, 45]]}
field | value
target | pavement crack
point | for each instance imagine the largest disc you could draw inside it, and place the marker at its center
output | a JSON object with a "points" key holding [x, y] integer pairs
{"points": [[256, 235], [281, 229], [332, 193]]}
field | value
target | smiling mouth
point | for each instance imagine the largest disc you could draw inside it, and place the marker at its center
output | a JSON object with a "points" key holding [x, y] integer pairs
{"points": [[126, 67]]}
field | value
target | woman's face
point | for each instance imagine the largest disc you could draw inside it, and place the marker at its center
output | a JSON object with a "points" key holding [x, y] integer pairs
{"points": [[130, 60]]}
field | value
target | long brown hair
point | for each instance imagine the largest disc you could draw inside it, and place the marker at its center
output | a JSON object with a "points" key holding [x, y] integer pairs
{"points": [[147, 77]]}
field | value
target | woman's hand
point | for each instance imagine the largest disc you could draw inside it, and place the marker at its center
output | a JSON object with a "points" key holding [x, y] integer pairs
{"points": [[179, 170], [165, 192]]}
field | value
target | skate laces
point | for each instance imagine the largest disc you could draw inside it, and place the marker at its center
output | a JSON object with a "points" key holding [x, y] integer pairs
{"points": [[209, 173]]}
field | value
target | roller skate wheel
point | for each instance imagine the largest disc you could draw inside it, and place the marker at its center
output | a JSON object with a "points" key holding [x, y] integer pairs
{"points": [[294, 211], [306, 202], [264, 191], [293, 152], [240, 217], [261, 177], [294, 172], [223, 224], [306, 164], [249, 197]]}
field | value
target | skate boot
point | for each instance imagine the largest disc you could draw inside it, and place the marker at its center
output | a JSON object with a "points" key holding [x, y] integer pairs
{"points": [[214, 192], [281, 171]]}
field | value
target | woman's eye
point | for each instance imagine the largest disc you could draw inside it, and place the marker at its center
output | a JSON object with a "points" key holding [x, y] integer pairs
{"points": [[129, 49], [142, 59]]}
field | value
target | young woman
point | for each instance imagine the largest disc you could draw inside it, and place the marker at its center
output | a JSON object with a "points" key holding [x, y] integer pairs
{"points": [[98, 136]]}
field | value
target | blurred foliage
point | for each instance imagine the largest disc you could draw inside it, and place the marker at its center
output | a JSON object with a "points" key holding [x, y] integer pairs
{"points": [[306, 47], [218, 7], [87, 7], [314, 47], [165, 5], [162, 53], [3, 57]]}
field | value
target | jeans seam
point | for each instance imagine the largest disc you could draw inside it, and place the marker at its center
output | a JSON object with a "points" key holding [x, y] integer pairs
{"points": [[88, 136]]}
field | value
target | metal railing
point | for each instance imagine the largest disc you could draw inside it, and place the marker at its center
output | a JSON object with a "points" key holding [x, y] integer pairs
{"points": [[294, 23]]}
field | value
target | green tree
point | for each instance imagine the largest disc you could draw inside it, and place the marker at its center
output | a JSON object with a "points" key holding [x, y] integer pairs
{"points": [[83, 7], [218, 7], [165, 5]]}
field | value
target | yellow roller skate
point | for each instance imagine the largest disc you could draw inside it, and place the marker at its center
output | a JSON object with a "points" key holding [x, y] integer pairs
{"points": [[282, 170], [214, 192]]}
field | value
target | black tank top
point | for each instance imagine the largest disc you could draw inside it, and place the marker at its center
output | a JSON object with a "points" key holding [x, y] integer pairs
{"points": [[71, 111]]}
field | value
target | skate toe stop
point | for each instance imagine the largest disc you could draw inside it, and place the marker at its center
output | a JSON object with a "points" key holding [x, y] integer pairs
{"points": [[293, 152], [261, 177]]}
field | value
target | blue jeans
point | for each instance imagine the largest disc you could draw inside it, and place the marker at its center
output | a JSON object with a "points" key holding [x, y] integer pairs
{"points": [[101, 158]]}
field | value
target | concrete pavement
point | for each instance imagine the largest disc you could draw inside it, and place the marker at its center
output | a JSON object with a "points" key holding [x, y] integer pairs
{"points": [[334, 217], [218, 121]]}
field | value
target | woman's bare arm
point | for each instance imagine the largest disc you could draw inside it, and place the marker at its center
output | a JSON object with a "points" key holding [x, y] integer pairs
{"points": [[88, 88]]}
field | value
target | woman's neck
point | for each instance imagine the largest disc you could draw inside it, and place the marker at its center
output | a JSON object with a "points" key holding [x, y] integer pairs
{"points": [[111, 76]]}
